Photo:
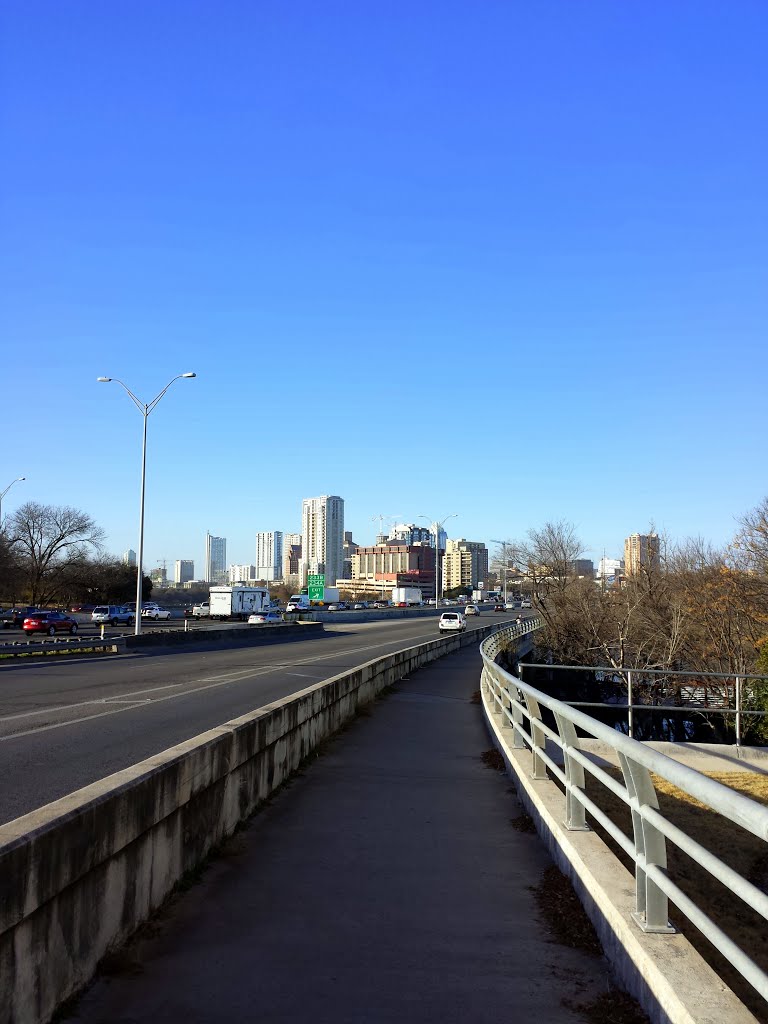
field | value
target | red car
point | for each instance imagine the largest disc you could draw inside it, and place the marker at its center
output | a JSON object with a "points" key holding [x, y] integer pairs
{"points": [[50, 623], [499, 608]]}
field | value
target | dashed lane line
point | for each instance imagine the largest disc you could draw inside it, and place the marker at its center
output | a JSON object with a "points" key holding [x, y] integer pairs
{"points": [[213, 682]]}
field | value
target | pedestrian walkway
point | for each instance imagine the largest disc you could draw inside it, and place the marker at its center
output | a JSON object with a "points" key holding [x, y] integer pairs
{"points": [[385, 884]]}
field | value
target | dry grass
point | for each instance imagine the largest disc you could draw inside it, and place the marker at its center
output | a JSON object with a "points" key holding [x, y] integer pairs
{"points": [[737, 848]]}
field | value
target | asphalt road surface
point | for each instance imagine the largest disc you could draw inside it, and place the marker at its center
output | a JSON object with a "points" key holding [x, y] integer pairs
{"points": [[66, 724]]}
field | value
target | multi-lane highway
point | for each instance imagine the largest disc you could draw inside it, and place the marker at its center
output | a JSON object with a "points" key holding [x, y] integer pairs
{"points": [[68, 723]]}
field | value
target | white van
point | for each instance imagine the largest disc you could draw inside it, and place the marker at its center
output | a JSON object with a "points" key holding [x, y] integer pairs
{"points": [[298, 603]]}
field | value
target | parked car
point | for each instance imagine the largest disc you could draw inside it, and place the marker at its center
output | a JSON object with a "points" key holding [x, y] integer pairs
{"points": [[471, 609], [115, 615], [452, 622], [154, 611], [258, 618], [50, 623]]}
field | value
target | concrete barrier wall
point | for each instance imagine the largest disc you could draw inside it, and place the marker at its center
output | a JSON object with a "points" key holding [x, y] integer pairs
{"points": [[240, 634], [79, 875]]}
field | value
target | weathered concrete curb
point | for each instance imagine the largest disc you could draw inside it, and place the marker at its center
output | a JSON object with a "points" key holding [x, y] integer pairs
{"points": [[79, 875], [672, 982]]}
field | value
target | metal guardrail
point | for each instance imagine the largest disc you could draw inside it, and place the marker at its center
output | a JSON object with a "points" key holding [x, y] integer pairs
{"points": [[720, 693], [520, 708]]}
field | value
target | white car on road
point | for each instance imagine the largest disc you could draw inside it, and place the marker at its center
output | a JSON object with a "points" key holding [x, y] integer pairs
{"points": [[257, 618], [154, 611], [452, 622]]}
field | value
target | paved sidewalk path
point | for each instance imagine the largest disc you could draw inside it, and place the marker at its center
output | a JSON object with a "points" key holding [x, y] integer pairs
{"points": [[385, 884]]}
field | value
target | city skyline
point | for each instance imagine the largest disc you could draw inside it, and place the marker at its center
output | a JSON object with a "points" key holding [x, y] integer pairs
{"points": [[506, 264]]}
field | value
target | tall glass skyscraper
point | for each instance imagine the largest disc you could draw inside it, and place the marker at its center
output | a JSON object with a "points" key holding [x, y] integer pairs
{"points": [[215, 559]]}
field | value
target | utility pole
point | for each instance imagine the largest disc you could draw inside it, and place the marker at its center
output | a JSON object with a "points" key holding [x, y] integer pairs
{"points": [[505, 567]]}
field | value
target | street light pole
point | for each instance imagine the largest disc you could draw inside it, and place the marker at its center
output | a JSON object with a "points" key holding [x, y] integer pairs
{"points": [[145, 408], [438, 527], [505, 567], [3, 494]]}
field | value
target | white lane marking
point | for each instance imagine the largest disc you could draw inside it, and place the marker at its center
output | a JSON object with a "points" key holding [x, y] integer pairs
{"points": [[86, 703], [221, 681]]}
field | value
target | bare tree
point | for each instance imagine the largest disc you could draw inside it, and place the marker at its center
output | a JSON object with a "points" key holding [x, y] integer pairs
{"points": [[45, 539], [545, 561]]}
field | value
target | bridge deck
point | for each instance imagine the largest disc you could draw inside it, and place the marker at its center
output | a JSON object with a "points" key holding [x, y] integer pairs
{"points": [[386, 883]]}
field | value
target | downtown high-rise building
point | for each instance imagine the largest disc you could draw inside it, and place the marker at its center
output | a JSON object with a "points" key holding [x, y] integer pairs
{"points": [[641, 551], [322, 537], [465, 564], [215, 559], [269, 555], [129, 557], [183, 570], [291, 555]]}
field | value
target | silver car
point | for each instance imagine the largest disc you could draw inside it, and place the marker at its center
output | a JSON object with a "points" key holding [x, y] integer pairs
{"points": [[115, 615]]}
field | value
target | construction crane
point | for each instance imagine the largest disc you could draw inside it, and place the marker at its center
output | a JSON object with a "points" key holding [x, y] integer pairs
{"points": [[389, 518], [383, 517]]}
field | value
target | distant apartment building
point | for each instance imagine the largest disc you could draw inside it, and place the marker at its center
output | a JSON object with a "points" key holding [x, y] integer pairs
{"points": [[322, 537], [410, 533], [269, 555], [243, 574], [215, 559], [465, 564], [583, 567], [159, 576], [384, 566], [129, 557], [291, 555], [183, 570], [349, 551], [641, 551]]}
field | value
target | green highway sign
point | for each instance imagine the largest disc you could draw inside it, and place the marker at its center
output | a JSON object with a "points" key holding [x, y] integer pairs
{"points": [[315, 586]]}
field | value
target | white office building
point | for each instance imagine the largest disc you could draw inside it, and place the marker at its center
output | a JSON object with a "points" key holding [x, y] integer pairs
{"points": [[322, 537], [129, 557], [183, 570], [215, 559], [610, 567], [243, 574], [269, 555]]}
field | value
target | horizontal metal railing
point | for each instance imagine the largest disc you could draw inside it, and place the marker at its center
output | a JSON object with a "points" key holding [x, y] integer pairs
{"points": [[719, 693], [520, 706]]}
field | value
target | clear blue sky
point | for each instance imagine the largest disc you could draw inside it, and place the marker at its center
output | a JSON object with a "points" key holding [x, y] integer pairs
{"points": [[506, 260]]}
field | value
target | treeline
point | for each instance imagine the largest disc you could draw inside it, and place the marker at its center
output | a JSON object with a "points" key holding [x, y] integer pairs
{"points": [[53, 555], [700, 609]]}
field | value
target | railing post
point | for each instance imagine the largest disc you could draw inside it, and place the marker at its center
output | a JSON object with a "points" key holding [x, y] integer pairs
{"points": [[575, 812], [739, 684], [630, 715], [538, 738], [651, 906]]}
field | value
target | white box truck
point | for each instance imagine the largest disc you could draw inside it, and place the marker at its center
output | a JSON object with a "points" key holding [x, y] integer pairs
{"points": [[330, 596], [237, 602], [408, 596]]}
